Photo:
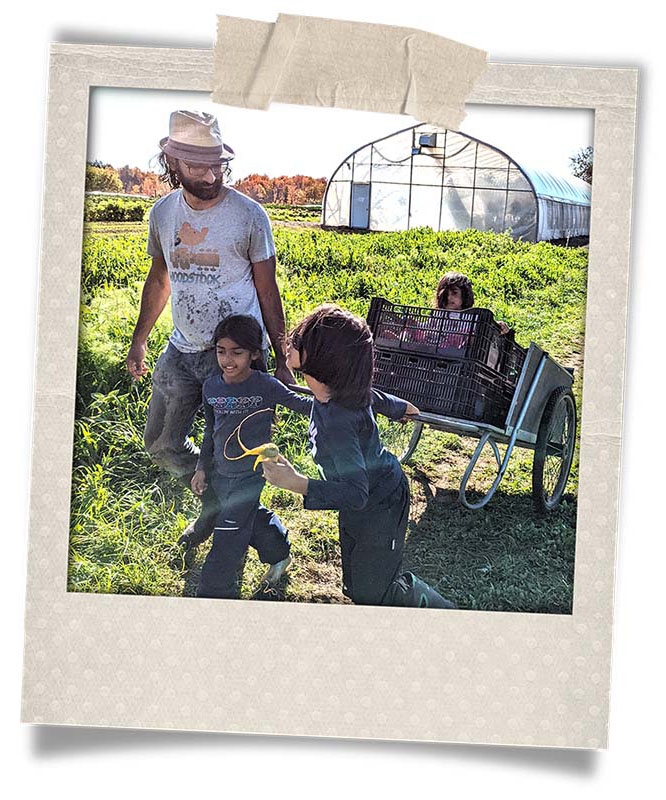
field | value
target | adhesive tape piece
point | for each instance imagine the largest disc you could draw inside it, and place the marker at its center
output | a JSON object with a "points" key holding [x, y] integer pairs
{"points": [[314, 61]]}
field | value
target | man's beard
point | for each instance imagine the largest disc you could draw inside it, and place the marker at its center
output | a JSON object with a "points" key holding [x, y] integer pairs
{"points": [[201, 190]]}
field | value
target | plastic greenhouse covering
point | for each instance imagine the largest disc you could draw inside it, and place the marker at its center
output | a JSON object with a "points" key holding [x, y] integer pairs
{"points": [[427, 176]]}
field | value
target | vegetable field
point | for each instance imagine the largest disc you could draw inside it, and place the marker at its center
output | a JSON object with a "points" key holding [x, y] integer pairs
{"points": [[103, 208], [127, 514]]}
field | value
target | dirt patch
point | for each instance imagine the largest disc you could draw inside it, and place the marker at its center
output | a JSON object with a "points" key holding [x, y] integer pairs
{"points": [[294, 224]]}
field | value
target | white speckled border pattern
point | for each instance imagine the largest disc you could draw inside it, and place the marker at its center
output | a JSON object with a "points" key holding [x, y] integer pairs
{"points": [[345, 671]]}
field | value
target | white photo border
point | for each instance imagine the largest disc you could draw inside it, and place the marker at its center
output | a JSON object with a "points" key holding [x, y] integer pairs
{"points": [[308, 669]]}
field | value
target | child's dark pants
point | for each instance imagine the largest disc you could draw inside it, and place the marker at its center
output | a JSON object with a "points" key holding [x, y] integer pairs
{"points": [[242, 522], [371, 543]]}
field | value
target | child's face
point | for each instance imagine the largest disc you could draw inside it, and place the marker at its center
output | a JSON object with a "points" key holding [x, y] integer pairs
{"points": [[454, 298], [293, 357], [319, 389], [234, 361]]}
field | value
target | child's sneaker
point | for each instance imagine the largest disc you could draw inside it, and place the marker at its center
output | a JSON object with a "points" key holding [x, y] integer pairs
{"points": [[267, 591], [276, 571], [189, 539]]}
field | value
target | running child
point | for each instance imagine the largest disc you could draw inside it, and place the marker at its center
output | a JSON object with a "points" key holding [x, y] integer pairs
{"points": [[360, 478], [237, 402]]}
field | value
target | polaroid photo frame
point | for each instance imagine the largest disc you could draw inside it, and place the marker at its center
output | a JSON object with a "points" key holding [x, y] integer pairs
{"points": [[306, 669]]}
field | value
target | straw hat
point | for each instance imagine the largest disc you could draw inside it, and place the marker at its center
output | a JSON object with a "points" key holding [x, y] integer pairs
{"points": [[195, 136]]}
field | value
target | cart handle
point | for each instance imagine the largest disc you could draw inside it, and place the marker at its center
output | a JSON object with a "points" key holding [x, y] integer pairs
{"points": [[488, 437]]}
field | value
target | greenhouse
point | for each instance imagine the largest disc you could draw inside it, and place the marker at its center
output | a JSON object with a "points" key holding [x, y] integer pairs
{"points": [[449, 181]]}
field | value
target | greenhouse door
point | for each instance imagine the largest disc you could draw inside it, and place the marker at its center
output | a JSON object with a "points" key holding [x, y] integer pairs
{"points": [[360, 205]]}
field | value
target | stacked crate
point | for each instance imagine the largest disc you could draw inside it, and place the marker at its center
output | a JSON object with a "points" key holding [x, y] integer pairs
{"points": [[454, 363]]}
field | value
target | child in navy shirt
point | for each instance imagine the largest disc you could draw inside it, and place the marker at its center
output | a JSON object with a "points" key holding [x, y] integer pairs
{"points": [[359, 477], [237, 395]]}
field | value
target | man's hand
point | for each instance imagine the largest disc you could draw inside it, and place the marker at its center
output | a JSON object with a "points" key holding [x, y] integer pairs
{"points": [[504, 328], [281, 473], [284, 375], [135, 364], [410, 412], [198, 482], [155, 293]]}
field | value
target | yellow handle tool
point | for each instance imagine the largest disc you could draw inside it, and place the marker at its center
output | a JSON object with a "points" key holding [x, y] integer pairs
{"points": [[264, 452]]}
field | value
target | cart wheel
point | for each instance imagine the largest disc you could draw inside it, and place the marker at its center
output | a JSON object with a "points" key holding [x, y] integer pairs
{"points": [[399, 438], [554, 449]]}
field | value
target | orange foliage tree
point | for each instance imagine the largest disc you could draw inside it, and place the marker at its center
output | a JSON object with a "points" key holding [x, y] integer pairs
{"points": [[135, 181], [290, 190]]}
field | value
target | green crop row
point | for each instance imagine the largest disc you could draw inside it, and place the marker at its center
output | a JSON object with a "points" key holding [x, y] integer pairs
{"points": [[531, 286], [105, 208], [285, 213], [113, 261]]}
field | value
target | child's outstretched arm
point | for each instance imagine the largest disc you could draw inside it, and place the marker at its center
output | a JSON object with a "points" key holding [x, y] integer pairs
{"points": [[391, 406], [284, 475], [347, 489], [296, 402]]}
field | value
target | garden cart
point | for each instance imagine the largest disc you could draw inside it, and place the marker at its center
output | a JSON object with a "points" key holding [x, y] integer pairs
{"points": [[468, 379]]}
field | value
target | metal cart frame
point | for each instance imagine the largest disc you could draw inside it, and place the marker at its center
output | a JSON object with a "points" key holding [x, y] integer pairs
{"points": [[542, 417]]}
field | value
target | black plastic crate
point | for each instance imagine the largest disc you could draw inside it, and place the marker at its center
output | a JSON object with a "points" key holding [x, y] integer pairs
{"points": [[513, 359], [471, 334], [453, 387]]}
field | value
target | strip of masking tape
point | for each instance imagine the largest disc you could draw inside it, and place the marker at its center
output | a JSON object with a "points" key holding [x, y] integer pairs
{"points": [[314, 61]]}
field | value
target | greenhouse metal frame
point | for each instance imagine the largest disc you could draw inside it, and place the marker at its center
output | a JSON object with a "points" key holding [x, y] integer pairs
{"points": [[447, 180]]}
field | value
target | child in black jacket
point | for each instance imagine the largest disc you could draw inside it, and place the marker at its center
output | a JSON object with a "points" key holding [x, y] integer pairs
{"points": [[360, 478]]}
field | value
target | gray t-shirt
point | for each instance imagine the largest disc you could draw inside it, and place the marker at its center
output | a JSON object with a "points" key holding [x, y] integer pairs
{"points": [[209, 255]]}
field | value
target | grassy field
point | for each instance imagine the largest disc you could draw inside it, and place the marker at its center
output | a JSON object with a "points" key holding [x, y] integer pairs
{"points": [[127, 514]]}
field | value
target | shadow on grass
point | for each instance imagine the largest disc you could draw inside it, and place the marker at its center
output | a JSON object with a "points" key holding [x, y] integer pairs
{"points": [[503, 557]]}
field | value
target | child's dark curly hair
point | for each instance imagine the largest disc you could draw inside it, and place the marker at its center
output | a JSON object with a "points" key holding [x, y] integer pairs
{"points": [[449, 280], [335, 347]]}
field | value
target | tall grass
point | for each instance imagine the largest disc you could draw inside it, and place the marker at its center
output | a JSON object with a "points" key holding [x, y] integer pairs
{"points": [[127, 514]]}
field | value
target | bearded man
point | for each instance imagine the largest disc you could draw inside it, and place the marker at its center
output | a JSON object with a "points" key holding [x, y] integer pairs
{"points": [[213, 252]]}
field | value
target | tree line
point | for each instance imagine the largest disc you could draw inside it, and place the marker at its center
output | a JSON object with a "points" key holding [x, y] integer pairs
{"points": [[295, 190], [289, 190]]}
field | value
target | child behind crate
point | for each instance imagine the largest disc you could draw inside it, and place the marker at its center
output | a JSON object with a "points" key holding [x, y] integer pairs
{"points": [[454, 294]]}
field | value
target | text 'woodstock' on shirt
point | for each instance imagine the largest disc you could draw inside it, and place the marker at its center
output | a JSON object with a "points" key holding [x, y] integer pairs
{"points": [[209, 256]]}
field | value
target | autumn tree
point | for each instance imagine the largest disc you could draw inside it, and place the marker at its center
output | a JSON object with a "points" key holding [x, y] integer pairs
{"points": [[152, 186], [131, 179], [285, 189], [102, 179]]}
